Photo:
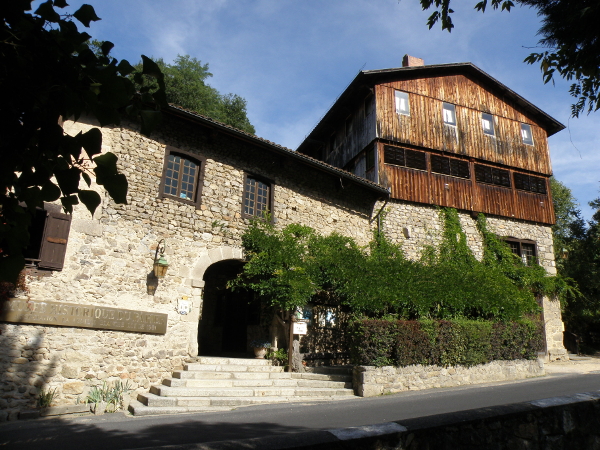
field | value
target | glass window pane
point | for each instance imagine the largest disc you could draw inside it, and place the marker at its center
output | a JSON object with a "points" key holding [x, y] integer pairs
{"points": [[487, 122], [449, 113], [402, 104]]}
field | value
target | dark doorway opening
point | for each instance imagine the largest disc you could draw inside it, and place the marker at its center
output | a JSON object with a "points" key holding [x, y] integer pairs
{"points": [[229, 318]]}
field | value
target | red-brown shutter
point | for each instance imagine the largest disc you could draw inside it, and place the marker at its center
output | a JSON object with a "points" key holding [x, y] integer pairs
{"points": [[54, 240]]}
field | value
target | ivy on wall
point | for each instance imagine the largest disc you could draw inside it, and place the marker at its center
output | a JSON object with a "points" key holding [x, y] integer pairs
{"points": [[288, 266]]}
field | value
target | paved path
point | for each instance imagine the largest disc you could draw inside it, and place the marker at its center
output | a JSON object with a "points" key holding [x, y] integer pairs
{"points": [[118, 431]]}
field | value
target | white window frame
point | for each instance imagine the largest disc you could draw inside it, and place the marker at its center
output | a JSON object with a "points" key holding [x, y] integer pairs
{"points": [[449, 114], [402, 103], [526, 134], [487, 124]]}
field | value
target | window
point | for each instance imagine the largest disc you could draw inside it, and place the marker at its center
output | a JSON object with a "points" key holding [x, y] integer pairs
{"points": [[524, 249], [349, 125], [49, 233], [370, 159], [402, 105], [450, 166], [404, 157], [449, 113], [492, 175], [487, 122], [530, 183], [526, 134], [182, 177], [257, 197]]}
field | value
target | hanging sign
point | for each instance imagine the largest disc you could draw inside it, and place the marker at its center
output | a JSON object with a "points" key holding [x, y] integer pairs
{"points": [[300, 328]]}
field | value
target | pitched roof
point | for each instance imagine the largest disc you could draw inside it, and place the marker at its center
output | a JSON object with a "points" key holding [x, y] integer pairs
{"points": [[365, 80], [275, 148]]}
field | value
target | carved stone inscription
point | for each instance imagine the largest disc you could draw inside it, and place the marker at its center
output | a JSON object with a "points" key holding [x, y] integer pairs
{"points": [[84, 316]]}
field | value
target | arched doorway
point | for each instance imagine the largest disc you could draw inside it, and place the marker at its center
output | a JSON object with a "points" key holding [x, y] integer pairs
{"points": [[229, 319]]}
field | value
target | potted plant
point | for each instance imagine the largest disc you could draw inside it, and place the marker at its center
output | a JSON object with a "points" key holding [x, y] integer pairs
{"points": [[260, 347]]}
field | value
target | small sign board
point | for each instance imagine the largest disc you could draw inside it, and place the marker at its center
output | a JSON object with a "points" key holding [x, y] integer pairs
{"points": [[300, 328]]}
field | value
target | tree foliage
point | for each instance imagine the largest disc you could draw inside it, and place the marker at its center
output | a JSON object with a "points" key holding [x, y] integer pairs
{"points": [[582, 312], [569, 31], [567, 215], [48, 73], [288, 267], [185, 82]]}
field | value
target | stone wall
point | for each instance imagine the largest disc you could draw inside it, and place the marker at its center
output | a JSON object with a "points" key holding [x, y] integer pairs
{"points": [[370, 381]]}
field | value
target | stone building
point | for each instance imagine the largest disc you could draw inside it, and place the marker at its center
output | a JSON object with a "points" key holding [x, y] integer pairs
{"points": [[94, 311]]}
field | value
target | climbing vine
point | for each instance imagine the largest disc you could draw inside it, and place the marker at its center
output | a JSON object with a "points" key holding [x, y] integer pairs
{"points": [[288, 267]]}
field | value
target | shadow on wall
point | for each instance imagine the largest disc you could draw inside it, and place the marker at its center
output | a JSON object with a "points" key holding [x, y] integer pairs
{"points": [[25, 368]]}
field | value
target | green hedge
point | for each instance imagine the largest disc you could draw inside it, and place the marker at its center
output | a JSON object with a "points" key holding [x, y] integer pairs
{"points": [[381, 342]]}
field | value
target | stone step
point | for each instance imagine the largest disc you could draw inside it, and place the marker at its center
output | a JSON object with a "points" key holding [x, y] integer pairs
{"points": [[290, 382], [330, 370], [231, 368], [198, 375], [222, 404], [322, 377], [139, 409], [167, 391], [210, 360]]}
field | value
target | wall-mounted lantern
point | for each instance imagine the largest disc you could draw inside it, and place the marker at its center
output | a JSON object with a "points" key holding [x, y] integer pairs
{"points": [[160, 264]]}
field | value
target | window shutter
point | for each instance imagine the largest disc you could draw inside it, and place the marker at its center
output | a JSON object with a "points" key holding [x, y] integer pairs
{"points": [[54, 241]]}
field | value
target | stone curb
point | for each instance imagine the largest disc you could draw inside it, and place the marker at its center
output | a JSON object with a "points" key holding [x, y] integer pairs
{"points": [[383, 435]]}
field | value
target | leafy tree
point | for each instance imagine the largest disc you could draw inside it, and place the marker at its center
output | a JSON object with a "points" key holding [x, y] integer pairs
{"points": [[185, 82], [49, 73], [569, 31], [567, 214], [582, 313]]}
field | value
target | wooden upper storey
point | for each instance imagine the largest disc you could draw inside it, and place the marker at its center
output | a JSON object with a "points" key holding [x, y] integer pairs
{"points": [[366, 111], [451, 117], [424, 125]]}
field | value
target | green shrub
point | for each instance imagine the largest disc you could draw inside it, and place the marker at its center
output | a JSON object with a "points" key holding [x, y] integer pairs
{"points": [[442, 342]]}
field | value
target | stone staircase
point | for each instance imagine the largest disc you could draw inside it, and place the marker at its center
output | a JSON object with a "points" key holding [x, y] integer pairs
{"points": [[222, 384]]}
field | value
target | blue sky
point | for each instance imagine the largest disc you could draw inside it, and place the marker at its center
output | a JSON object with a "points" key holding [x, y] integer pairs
{"points": [[290, 59]]}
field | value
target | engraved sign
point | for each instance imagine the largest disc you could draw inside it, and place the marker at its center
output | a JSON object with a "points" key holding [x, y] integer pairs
{"points": [[299, 328], [83, 316]]}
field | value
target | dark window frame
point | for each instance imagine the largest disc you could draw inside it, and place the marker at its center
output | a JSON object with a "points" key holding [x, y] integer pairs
{"points": [[403, 159], [522, 246], [370, 158], [270, 196], [194, 157], [495, 173], [455, 167], [530, 183]]}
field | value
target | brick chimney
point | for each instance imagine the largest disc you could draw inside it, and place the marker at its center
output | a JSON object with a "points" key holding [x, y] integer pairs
{"points": [[411, 61]]}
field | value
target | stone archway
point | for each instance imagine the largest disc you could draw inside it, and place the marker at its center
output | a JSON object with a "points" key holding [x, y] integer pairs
{"points": [[226, 319]]}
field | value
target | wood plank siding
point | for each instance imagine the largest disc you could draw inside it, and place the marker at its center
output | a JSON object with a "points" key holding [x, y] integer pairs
{"points": [[352, 135], [425, 186], [425, 128]]}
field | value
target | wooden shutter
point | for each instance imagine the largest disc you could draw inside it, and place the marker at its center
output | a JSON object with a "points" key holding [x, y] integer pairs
{"points": [[54, 240]]}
